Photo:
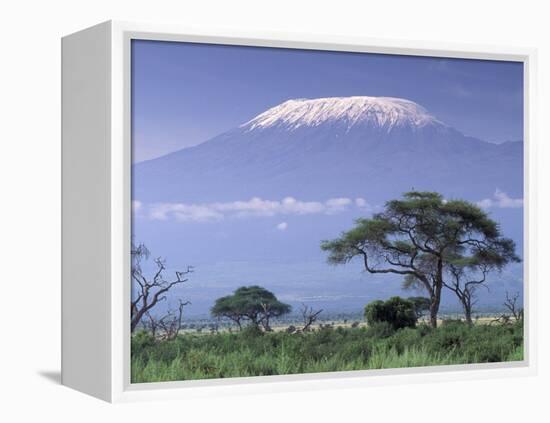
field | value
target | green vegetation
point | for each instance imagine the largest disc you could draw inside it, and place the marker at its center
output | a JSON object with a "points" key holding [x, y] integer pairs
{"points": [[253, 352], [397, 312]]}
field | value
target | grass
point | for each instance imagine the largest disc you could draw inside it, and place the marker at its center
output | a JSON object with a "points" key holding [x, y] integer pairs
{"points": [[253, 353]]}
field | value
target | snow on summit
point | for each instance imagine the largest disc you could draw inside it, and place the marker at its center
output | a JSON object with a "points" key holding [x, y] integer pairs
{"points": [[381, 112]]}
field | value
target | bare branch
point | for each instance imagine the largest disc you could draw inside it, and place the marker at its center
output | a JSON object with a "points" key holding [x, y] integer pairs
{"points": [[310, 316], [170, 324], [149, 292], [511, 303]]}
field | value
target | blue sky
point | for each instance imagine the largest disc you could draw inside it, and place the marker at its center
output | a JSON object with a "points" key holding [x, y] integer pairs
{"points": [[184, 94]]}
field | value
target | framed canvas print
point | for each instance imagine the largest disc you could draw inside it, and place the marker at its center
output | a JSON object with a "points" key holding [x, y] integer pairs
{"points": [[263, 212]]}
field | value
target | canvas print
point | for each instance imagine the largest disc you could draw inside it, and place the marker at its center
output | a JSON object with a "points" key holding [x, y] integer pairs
{"points": [[305, 211]]}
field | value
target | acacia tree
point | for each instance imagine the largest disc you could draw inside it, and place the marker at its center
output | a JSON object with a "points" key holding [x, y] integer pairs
{"points": [[230, 308], [254, 303], [415, 236], [148, 292]]}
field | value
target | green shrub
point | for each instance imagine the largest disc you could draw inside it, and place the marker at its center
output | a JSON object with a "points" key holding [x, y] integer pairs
{"points": [[380, 330], [424, 329], [449, 336], [396, 311], [375, 312], [404, 338], [252, 331], [142, 340]]}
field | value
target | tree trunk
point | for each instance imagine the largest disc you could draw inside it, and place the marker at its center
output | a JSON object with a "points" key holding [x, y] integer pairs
{"points": [[467, 311], [468, 314], [436, 296], [136, 319], [434, 308]]}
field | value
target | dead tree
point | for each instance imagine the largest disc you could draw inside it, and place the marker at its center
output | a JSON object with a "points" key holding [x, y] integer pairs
{"points": [[310, 316], [511, 304], [168, 326], [151, 325], [148, 292], [503, 319]]}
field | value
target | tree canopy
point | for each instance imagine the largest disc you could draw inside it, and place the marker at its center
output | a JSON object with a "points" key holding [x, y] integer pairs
{"points": [[418, 236], [254, 303]]}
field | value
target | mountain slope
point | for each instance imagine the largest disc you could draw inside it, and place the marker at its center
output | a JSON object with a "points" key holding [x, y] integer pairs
{"points": [[376, 147]]}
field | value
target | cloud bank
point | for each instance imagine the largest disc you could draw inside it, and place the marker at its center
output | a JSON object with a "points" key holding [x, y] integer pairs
{"points": [[255, 207], [258, 207]]}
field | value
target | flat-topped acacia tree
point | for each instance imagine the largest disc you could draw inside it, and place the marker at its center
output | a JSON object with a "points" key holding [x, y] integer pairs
{"points": [[254, 303], [418, 237]]}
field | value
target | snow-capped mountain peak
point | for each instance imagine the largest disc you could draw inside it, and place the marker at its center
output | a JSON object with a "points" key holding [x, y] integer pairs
{"points": [[384, 113]]}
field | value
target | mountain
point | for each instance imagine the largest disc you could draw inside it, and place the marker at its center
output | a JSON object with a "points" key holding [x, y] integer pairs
{"points": [[251, 205], [332, 147]]}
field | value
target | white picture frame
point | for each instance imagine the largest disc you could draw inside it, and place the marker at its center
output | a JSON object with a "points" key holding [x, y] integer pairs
{"points": [[96, 213]]}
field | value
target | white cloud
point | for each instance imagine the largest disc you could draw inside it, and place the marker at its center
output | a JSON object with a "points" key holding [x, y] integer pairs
{"points": [[255, 207], [500, 200], [184, 212], [137, 207], [337, 205], [361, 202], [282, 226], [363, 205], [486, 203]]}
